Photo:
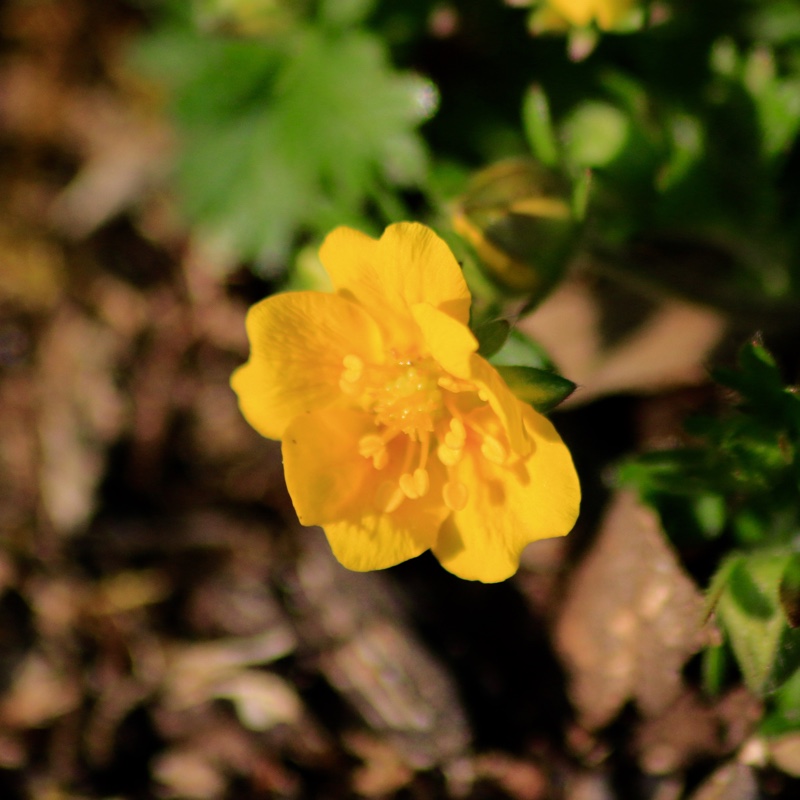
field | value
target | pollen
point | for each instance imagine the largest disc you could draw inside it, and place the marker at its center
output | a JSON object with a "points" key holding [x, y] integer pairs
{"points": [[409, 398]]}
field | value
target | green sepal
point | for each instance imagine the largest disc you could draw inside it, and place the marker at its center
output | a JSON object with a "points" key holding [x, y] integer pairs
{"points": [[491, 336], [542, 389], [519, 350]]}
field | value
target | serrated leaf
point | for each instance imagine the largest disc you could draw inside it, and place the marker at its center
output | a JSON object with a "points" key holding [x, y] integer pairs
{"points": [[767, 650], [542, 389], [291, 134]]}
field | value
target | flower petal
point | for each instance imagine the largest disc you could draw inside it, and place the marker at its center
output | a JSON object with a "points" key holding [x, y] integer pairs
{"points": [[373, 540], [450, 343], [298, 341], [503, 402], [409, 264], [509, 507], [333, 486], [324, 472]]}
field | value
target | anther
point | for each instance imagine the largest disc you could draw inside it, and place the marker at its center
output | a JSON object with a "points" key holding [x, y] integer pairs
{"points": [[370, 444], [408, 486], [455, 495], [388, 497], [421, 481], [493, 450], [457, 434], [353, 364], [447, 455]]}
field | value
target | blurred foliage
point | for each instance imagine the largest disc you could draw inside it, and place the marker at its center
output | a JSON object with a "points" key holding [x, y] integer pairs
{"points": [[295, 128], [296, 117], [740, 484]]}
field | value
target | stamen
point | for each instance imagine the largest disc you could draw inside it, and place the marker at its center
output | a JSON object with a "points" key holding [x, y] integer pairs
{"points": [[455, 495], [493, 450], [457, 434], [447, 455], [388, 497], [354, 365], [370, 444], [408, 486], [422, 481], [380, 459]]}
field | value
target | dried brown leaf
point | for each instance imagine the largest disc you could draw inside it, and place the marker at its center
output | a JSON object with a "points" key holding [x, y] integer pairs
{"points": [[693, 727], [383, 772], [631, 618], [520, 779], [667, 349], [784, 753], [40, 693], [32, 275], [127, 152], [733, 781], [82, 413], [197, 672], [371, 656]]}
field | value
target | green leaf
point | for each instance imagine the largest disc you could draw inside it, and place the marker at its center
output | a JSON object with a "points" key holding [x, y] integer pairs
{"points": [[714, 667], [345, 12], [492, 336], [595, 134], [542, 389], [767, 650], [292, 134], [538, 126]]}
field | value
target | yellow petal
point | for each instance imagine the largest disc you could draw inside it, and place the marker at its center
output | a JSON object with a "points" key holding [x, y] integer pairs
{"points": [[298, 342], [324, 472], [503, 402], [450, 343], [332, 485], [409, 264], [508, 507], [363, 542]]}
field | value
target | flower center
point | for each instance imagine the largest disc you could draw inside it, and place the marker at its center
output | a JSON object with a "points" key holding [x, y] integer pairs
{"points": [[419, 409], [404, 396]]}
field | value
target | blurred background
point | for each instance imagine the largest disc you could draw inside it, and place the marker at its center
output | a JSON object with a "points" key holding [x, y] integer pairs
{"points": [[621, 182]]}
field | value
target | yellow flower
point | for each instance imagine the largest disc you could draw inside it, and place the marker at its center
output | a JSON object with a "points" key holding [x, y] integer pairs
{"points": [[397, 437], [581, 13]]}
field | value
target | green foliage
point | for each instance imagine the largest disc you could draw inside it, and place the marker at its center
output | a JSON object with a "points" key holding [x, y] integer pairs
{"points": [[292, 133], [741, 482]]}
